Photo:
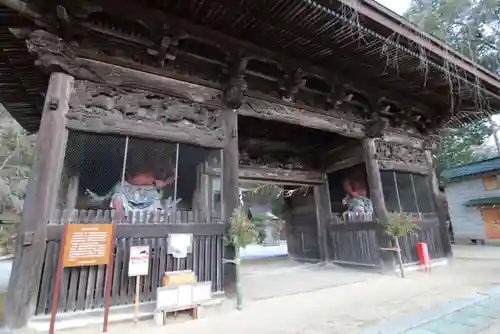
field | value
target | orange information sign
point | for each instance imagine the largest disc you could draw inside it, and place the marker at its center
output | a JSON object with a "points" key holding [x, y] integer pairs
{"points": [[87, 244]]}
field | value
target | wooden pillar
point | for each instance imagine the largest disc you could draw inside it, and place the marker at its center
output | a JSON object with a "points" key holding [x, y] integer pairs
{"points": [[377, 197], [439, 205], [324, 216], [230, 191], [233, 96], [40, 201]]}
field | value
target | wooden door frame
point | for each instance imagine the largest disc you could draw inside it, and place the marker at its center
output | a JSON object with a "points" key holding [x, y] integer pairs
{"points": [[321, 193]]}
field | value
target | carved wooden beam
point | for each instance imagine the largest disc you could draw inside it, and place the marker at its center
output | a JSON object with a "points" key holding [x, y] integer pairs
{"points": [[392, 156], [100, 108], [404, 139], [281, 176], [273, 111], [54, 54]]}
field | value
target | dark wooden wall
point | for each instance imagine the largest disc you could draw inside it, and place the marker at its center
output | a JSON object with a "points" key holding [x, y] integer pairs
{"points": [[302, 226], [356, 243], [82, 288]]}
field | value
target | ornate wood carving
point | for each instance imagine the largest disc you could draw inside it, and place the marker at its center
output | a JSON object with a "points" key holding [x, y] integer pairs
{"points": [[400, 157], [279, 112], [103, 108], [278, 161], [403, 138], [54, 55]]}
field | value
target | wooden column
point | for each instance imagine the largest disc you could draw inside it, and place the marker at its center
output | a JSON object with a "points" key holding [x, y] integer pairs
{"points": [[233, 96], [40, 201], [377, 197], [324, 216], [230, 191], [439, 205]]}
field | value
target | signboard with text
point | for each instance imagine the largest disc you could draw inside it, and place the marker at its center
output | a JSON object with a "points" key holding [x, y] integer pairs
{"points": [[138, 264], [87, 245]]}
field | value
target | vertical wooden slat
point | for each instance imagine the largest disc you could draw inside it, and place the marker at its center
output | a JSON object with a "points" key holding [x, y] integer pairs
{"points": [[196, 258], [65, 281], [202, 263], [146, 296], [115, 287], [82, 288], [162, 268], [45, 285], [92, 275], [74, 275], [101, 271], [323, 216], [154, 264], [220, 245], [124, 279]]}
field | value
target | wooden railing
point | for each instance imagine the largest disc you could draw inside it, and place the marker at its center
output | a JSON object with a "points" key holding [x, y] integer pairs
{"points": [[82, 288], [353, 240]]}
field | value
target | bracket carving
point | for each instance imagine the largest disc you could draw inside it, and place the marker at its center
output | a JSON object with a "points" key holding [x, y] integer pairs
{"points": [[293, 82], [236, 87], [377, 123]]}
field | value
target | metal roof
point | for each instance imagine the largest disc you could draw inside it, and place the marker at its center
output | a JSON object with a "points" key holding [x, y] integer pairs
{"points": [[487, 201], [483, 166]]}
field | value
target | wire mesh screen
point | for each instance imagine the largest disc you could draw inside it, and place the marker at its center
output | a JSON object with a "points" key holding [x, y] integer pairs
{"points": [[138, 180], [135, 181]]}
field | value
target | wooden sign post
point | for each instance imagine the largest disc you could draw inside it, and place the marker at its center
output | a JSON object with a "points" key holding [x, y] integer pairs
{"points": [[85, 245], [138, 265]]}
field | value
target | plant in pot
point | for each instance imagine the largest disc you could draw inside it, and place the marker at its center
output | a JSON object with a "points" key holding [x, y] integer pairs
{"points": [[241, 234], [399, 225]]}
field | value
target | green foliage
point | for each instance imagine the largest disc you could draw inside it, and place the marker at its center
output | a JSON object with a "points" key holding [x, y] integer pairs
{"points": [[471, 27], [399, 225], [242, 232], [457, 146], [16, 155]]}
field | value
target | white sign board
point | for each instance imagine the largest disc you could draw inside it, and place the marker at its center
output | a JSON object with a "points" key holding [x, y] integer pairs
{"points": [[181, 296], [138, 264], [179, 245]]}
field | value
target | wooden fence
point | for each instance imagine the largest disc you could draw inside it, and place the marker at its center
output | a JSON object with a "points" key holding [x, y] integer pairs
{"points": [[355, 242], [82, 288]]}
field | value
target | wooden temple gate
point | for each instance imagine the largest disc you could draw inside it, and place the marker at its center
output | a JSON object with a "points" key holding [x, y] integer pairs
{"points": [[278, 90]]}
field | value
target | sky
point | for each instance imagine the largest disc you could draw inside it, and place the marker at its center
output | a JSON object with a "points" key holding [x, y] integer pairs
{"points": [[398, 6]]}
